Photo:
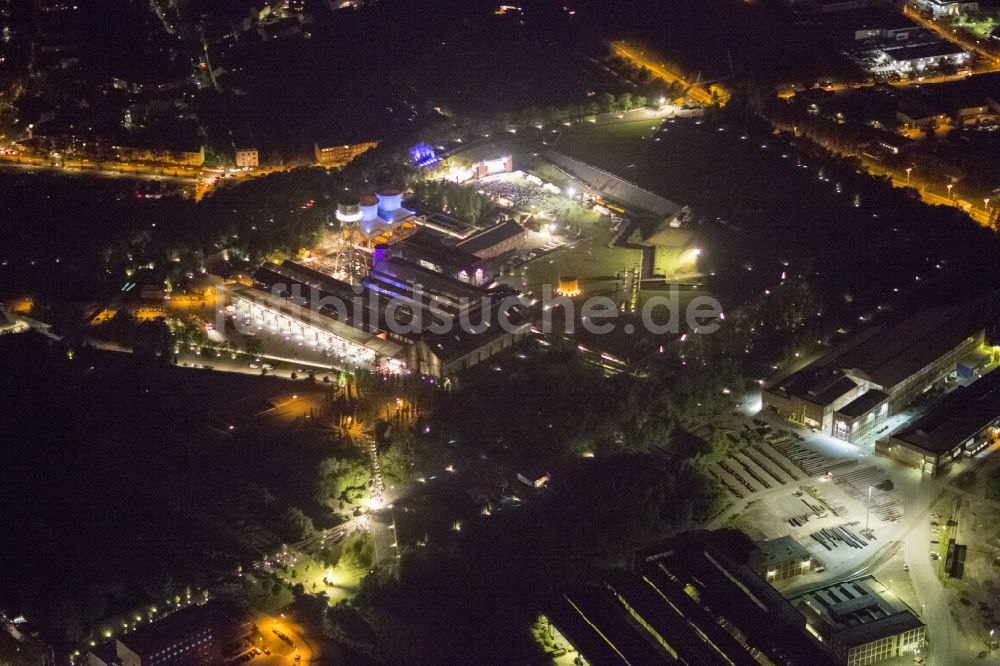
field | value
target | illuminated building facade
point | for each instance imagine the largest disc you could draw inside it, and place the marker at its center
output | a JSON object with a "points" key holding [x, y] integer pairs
{"points": [[247, 157], [340, 155], [403, 316], [862, 621], [379, 216], [939, 8], [503, 164], [909, 58], [150, 155], [193, 636], [858, 385], [779, 559], [963, 423]]}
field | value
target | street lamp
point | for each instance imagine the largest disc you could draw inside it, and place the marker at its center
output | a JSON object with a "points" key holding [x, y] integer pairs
{"points": [[950, 185], [868, 509], [908, 170], [986, 203]]}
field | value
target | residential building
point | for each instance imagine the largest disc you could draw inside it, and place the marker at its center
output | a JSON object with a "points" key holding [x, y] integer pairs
{"points": [[279, 28], [190, 156], [247, 157], [340, 155]]}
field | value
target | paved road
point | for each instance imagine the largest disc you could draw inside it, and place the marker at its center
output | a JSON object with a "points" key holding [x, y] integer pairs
{"points": [[993, 62], [923, 572], [977, 210], [946, 645], [640, 58], [132, 172], [283, 653]]}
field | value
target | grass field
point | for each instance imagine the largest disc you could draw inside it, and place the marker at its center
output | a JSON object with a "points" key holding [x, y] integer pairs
{"points": [[590, 259], [767, 208], [612, 147]]}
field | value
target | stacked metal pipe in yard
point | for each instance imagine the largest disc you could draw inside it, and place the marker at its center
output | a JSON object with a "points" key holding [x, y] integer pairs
{"points": [[831, 538]]}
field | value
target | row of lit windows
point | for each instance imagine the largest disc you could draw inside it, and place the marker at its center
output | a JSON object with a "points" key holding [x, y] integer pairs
{"points": [[180, 646], [912, 637], [284, 322], [872, 652]]}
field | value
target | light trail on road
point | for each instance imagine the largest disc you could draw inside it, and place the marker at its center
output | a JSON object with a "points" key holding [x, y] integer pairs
{"points": [[660, 70]]}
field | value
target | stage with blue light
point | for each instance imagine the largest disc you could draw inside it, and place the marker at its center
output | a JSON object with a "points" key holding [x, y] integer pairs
{"points": [[424, 155]]}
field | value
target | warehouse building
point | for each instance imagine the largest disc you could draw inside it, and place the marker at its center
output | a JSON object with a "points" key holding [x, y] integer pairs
{"points": [[862, 621], [402, 316], [496, 240], [781, 558], [909, 58], [691, 600], [438, 252], [939, 8], [316, 328], [963, 423], [860, 416], [858, 385]]}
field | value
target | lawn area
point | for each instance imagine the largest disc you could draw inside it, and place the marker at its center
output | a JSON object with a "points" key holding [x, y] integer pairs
{"points": [[337, 577], [981, 28], [589, 258], [612, 147], [767, 208]]}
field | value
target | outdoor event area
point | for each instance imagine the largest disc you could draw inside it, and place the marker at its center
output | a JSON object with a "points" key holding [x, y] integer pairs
{"points": [[460, 333]]}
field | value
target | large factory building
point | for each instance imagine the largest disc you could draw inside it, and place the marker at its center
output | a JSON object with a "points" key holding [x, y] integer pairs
{"points": [[407, 314], [857, 386]]}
